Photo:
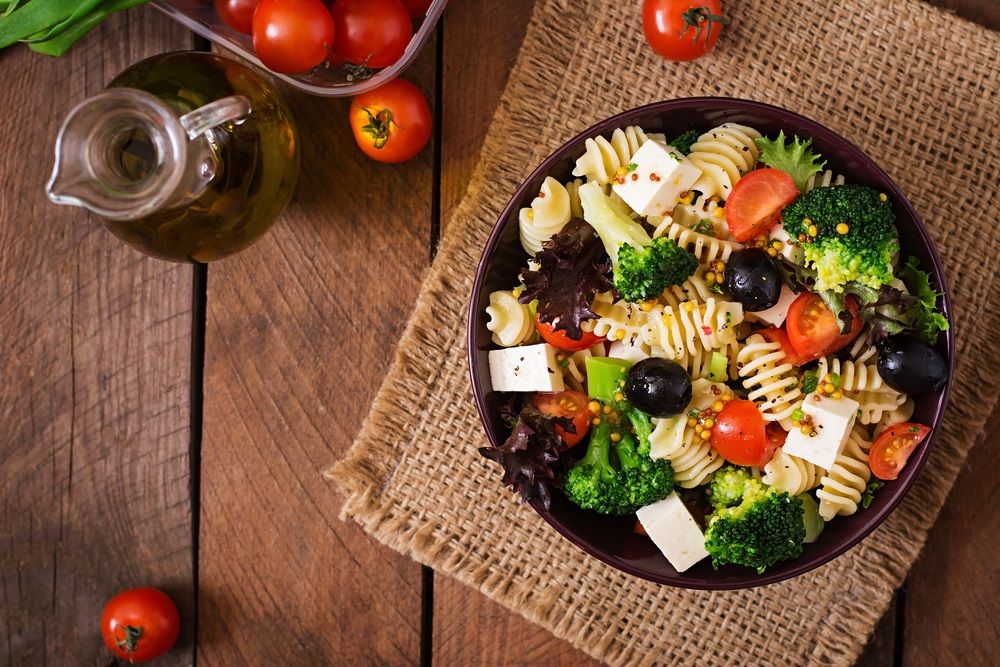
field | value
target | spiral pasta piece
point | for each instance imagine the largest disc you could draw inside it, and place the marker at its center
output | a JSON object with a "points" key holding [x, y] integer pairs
{"points": [[824, 180], [683, 331], [724, 154], [548, 214], [842, 487], [897, 415], [574, 367], [854, 376], [791, 474], [693, 289], [773, 382], [509, 320], [602, 158], [693, 459], [706, 248], [874, 405], [573, 190], [700, 209], [617, 320]]}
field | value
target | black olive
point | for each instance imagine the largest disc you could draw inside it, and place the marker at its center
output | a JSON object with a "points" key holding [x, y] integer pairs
{"points": [[753, 279], [658, 387], [911, 366]]}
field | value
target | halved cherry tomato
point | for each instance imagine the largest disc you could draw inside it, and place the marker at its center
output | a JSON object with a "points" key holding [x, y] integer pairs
{"points": [[778, 335], [237, 14], [775, 434], [682, 29], [558, 338], [740, 435], [814, 330], [292, 36], [569, 404], [892, 449], [755, 203]]}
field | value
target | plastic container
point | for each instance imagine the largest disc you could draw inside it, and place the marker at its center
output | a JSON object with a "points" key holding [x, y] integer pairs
{"points": [[200, 16]]}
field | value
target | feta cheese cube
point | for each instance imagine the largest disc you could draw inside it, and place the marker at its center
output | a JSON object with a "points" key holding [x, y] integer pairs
{"points": [[674, 531], [660, 175], [525, 368], [790, 251], [775, 315], [832, 421]]}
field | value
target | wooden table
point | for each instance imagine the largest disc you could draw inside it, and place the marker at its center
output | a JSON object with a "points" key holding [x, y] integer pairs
{"points": [[167, 425]]}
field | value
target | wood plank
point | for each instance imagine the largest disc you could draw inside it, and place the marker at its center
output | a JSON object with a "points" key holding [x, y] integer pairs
{"points": [[468, 627], [94, 486], [300, 332]]}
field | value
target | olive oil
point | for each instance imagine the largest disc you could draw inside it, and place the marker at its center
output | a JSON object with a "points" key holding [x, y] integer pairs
{"points": [[253, 162]]}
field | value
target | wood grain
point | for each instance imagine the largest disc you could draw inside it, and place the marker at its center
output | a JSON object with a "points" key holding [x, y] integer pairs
{"points": [[94, 491], [300, 332]]}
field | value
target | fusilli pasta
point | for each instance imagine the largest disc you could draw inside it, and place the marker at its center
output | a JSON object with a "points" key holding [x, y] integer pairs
{"points": [[724, 154], [693, 459], [509, 320], [841, 488], [898, 415], [854, 376], [823, 179], [548, 214], [706, 248], [873, 405], [768, 376], [790, 473], [703, 208], [602, 158]]}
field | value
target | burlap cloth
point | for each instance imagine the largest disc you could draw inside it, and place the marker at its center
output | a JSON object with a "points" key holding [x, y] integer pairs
{"points": [[918, 89]]}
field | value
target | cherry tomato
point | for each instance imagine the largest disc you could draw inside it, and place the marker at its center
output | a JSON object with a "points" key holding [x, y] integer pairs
{"points": [[778, 335], [813, 329], [558, 338], [140, 624], [756, 201], [417, 8], [569, 404], [291, 36], [775, 434], [371, 32], [391, 123], [237, 14], [892, 449], [682, 29], [740, 435]]}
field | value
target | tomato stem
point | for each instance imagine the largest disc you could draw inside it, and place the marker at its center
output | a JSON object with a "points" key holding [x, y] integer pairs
{"points": [[130, 644], [378, 127], [696, 18]]}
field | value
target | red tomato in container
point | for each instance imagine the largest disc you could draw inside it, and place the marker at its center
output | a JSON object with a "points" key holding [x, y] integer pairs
{"points": [[292, 36], [570, 405], [755, 203], [682, 29], [237, 14], [391, 123], [140, 624], [814, 330], [558, 338], [740, 435], [892, 449], [371, 32]]}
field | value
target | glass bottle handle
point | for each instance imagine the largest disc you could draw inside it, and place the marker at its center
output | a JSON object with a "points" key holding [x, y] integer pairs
{"points": [[226, 110]]}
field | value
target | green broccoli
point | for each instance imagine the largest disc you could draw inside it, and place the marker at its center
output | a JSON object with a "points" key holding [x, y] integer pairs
{"points": [[767, 527], [613, 478], [643, 267], [684, 141], [847, 234], [727, 486], [641, 424]]}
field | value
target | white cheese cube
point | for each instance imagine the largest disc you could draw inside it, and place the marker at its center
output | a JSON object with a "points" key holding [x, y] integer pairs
{"points": [[660, 175], [832, 421], [791, 251], [526, 368], [674, 531], [776, 314]]}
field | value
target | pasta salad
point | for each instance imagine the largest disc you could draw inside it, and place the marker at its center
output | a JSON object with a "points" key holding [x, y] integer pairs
{"points": [[717, 335]]}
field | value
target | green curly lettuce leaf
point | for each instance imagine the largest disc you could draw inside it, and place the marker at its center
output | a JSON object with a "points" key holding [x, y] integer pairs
{"points": [[794, 159]]}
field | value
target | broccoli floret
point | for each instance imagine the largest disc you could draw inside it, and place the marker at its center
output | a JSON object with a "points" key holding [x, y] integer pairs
{"points": [[684, 141], [767, 527], [641, 424], [643, 267], [727, 486], [863, 253], [613, 478]]}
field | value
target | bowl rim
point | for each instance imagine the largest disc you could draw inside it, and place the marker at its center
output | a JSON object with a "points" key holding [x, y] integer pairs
{"points": [[801, 565]]}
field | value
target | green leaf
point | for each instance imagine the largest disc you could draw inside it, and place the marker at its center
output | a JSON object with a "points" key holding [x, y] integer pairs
{"points": [[809, 382], [869, 495], [925, 317], [795, 159], [683, 142]]}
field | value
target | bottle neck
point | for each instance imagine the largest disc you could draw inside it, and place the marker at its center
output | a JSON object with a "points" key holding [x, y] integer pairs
{"points": [[125, 154]]}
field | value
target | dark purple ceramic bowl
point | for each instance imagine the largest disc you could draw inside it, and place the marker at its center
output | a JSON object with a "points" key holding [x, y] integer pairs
{"points": [[612, 539]]}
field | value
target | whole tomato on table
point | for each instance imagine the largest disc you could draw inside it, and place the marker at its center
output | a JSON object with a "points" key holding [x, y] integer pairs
{"points": [[140, 624], [682, 29], [391, 123]]}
